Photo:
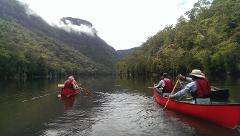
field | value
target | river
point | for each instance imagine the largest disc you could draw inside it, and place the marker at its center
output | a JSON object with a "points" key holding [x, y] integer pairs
{"points": [[119, 107]]}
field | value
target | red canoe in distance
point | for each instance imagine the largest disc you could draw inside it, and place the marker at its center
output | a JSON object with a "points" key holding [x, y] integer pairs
{"points": [[66, 92], [227, 115]]}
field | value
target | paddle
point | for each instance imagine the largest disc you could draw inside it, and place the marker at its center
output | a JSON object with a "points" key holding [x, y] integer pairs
{"points": [[171, 93], [151, 87], [60, 85], [87, 92]]}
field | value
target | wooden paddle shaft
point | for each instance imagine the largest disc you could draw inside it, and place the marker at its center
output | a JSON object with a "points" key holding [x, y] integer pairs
{"points": [[171, 93], [60, 85]]}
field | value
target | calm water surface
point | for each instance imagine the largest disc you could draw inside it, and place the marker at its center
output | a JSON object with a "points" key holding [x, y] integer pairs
{"points": [[117, 107]]}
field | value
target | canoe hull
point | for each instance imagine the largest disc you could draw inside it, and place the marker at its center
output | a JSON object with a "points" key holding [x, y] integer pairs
{"points": [[225, 115], [69, 92]]}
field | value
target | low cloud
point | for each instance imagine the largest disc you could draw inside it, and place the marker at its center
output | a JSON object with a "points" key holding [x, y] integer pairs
{"points": [[70, 27]]}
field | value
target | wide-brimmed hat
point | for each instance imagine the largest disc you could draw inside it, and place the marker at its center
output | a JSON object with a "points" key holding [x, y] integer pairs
{"points": [[197, 73], [71, 77]]}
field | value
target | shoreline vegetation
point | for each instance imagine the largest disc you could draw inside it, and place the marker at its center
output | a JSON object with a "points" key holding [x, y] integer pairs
{"points": [[56, 76], [208, 39]]}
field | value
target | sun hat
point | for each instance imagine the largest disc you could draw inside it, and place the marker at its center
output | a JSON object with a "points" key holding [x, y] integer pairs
{"points": [[197, 73], [71, 77]]}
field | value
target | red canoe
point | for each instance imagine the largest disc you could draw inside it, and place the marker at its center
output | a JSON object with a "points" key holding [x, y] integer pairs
{"points": [[69, 92], [227, 115]]}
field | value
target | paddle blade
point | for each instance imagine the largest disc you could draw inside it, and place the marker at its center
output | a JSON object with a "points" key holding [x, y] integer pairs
{"points": [[60, 85]]}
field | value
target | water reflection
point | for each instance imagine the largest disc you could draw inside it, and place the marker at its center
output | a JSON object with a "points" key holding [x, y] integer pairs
{"points": [[68, 102], [201, 127], [118, 107], [25, 105]]}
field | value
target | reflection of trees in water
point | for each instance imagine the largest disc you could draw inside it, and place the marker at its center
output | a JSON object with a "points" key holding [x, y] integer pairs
{"points": [[139, 84], [98, 83]]}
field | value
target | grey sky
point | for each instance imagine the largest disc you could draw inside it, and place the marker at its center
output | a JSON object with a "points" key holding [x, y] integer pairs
{"points": [[122, 24]]}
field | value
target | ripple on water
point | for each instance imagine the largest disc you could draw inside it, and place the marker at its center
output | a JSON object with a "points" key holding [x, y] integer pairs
{"points": [[119, 113]]}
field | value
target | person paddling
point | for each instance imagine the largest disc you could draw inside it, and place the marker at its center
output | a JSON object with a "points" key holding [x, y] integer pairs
{"points": [[199, 88], [165, 84], [70, 87], [71, 83]]}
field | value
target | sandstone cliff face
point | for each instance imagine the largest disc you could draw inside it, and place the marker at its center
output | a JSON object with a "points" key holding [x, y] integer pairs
{"points": [[75, 21]]}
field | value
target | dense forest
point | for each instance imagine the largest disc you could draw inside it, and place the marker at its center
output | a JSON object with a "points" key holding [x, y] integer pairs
{"points": [[207, 38], [122, 53], [30, 47]]}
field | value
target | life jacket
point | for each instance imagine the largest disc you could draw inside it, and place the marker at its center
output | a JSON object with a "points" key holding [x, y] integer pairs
{"points": [[203, 89], [168, 86], [68, 84]]}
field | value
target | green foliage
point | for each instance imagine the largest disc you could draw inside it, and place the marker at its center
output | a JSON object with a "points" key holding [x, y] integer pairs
{"points": [[209, 40], [23, 52], [31, 47]]}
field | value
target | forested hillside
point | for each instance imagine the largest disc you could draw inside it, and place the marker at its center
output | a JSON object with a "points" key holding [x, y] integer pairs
{"points": [[123, 53], [208, 39], [30, 47]]}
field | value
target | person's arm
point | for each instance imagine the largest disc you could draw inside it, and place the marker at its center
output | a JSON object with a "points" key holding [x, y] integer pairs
{"points": [[184, 78], [188, 79], [160, 84], [75, 85], [188, 88]]}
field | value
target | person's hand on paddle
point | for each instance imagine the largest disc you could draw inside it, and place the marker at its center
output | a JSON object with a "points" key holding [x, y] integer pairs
{"points": [[75, 84], [181, 77], [171, 96]]}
